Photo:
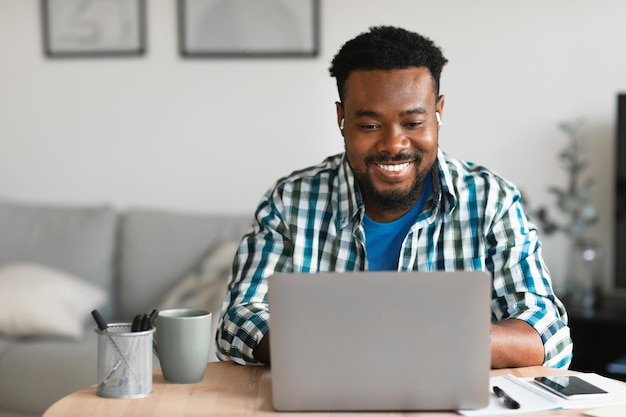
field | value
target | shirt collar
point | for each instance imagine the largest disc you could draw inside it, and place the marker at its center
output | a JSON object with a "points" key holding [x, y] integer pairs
{"points": [[351, 206], [444, 190]]}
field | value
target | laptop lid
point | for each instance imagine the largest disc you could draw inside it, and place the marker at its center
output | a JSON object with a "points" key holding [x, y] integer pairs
{"points": [[370, 341]]}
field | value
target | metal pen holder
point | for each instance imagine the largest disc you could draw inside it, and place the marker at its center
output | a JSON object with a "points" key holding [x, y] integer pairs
{"points": [[124, 362]]}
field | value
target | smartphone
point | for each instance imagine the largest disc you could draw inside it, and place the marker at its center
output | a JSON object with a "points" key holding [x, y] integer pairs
{"points": [[570, 387]]}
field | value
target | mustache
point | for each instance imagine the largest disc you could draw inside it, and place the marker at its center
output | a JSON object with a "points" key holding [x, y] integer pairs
{"points": [[398, 157]]}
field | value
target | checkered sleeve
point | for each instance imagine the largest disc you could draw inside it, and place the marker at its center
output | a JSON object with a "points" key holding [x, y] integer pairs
{"points": [[245, 313], [522, 284]]}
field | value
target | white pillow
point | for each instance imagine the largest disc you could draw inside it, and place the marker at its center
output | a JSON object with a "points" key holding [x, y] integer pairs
{"points": [[40, 300]]}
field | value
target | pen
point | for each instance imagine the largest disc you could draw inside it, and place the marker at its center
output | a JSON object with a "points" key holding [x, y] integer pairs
{"points": [[104, 327], [152, 317], [143, 322], [508, 401]]}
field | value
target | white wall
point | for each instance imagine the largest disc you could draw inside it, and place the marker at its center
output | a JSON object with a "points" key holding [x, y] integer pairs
{"points": [[211, 135]]}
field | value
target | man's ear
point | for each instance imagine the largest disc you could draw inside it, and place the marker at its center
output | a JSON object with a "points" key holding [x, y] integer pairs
{"points": [[439, 106], [340, 116]]}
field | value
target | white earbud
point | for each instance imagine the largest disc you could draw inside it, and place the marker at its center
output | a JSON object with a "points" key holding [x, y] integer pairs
{"points": [[438, 116], [341, 124]]}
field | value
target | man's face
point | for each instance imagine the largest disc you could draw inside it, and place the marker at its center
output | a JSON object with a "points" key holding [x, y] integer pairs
{"points": [[390, 135]]}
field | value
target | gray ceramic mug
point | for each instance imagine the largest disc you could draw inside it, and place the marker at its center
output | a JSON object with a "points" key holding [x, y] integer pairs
{"points": [[182, 343]]}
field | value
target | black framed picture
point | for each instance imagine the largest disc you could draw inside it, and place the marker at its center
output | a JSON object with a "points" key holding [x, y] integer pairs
{"points": [[92, 28], [248, 28]]}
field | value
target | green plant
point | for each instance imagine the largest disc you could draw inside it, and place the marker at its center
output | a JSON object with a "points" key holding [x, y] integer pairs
{"points": [[573, 201]]}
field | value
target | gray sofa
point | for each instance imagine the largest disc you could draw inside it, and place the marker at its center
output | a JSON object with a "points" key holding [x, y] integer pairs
{"points": [[140, 258]]}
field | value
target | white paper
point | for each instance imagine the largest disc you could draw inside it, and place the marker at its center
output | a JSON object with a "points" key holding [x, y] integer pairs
{"points": [[614, 411], [533, 398]]}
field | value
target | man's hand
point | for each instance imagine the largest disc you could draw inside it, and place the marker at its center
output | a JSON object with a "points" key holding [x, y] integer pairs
{"points": [[262, 350], [515, 343]]}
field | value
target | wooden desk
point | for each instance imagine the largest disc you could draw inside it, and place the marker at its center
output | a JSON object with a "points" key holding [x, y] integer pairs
{"points": [[227, 390]]}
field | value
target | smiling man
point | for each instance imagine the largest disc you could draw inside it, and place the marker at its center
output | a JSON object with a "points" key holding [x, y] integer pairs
{"points": [[395, 201]]}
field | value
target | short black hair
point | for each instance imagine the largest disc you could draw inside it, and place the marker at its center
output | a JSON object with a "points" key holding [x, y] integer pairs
{"points": [[387, 48]]}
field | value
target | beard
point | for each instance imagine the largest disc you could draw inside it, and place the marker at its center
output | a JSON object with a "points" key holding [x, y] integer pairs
{"points": [[393, 200]]}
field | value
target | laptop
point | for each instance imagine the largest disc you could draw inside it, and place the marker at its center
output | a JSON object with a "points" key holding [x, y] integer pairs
{"points": [[380, 341]]}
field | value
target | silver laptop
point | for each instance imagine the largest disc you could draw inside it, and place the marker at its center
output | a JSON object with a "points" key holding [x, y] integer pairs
{"points": [[374, 341]]}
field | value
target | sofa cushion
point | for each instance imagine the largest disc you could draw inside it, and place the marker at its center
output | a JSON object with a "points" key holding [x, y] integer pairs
{"points": [[76, 239], [159, 248], [205, 286], [34, 372], [38, 300]]}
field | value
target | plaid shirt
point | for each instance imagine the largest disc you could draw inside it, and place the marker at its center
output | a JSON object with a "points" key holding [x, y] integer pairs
{"points": [[311, 221]]}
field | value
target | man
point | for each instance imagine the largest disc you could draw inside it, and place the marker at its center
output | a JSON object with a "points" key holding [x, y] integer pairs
{"points": [[394, 201]]}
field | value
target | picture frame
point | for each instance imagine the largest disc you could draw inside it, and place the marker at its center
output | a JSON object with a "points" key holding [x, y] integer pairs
{"points": [[93, 28], [248, 28]]}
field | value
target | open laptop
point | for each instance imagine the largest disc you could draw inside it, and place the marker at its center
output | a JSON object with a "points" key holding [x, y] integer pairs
{"points": [[373, 341]]}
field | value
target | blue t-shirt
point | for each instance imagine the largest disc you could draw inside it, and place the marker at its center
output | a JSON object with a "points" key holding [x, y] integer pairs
{"points": [[383, 241]]}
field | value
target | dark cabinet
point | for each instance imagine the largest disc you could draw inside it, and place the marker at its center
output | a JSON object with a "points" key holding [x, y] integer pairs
{"points": [[599, 338]]}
